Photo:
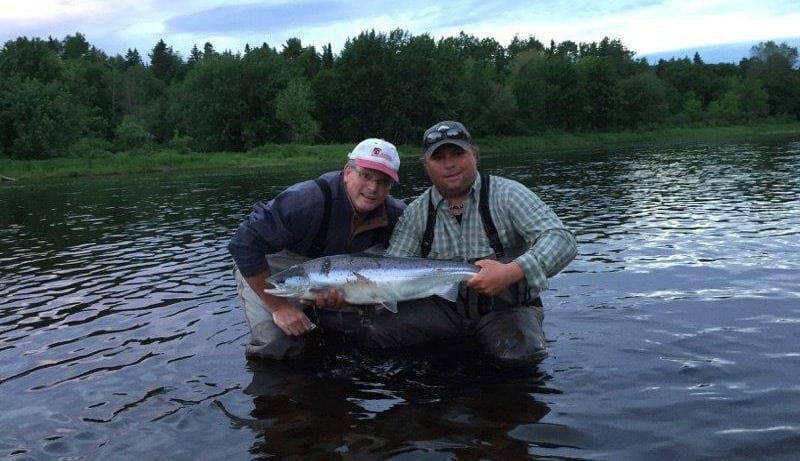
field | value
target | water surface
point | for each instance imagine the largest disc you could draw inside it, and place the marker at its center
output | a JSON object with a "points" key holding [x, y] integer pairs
{"points": [[673, 335]]}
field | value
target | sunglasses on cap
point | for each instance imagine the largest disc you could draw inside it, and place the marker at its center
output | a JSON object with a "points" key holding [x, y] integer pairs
{"points": [[444, 133]]}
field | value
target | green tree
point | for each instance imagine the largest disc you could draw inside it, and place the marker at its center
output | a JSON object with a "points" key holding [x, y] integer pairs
{"points": [[692, 108], [744, 101], [293, 107], [138, 89], [615, 53], [30, 58], [76, 47], [362, 82], [765, 51], [644, 101], [485, 51], [37, 119], [327, 56], [518, 46], [528, 84], [487, 106], [133, 58], [208, 51], [562, 94], [228, 103], [304, 59], [165, 63], [195, 56], [428, 79], [774, 65], [600, 93], [132, 135]]}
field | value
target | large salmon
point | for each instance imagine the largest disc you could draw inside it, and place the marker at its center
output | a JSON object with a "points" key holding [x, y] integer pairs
{"points": [[368, 279]]}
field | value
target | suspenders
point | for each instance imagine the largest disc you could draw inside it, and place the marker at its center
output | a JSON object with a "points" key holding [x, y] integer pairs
{"points": [[486, 217], [484, 304], [322, 234]]}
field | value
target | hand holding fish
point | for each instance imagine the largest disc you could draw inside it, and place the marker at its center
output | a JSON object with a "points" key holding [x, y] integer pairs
{"points": [[290, 320], [330, 299], [494, 276]]}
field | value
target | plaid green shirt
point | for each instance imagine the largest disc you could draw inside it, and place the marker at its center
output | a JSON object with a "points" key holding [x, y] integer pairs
{"points": [[529, 230]]}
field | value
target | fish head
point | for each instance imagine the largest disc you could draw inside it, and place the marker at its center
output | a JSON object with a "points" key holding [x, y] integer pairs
{"points": [[290, 283]]}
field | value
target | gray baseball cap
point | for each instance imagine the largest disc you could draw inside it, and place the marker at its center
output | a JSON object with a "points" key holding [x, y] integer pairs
{"points": [[446, 132]]}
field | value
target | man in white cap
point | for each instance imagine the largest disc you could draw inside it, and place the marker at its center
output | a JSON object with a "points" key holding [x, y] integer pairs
{"points": [[344, 211]]}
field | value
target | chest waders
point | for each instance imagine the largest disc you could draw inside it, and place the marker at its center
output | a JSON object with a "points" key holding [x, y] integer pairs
{"points": [[519, 293]]}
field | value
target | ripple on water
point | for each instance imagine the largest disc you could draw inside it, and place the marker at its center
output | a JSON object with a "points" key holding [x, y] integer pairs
{"points": [[120, 335]]}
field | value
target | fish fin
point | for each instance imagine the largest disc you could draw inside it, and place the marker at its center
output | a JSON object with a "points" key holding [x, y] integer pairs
{"points": [[375, 250], [390, 306], [450, 293], [363, 279]]}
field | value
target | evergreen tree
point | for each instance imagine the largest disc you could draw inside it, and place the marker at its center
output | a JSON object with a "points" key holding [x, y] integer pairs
{"points": [[327, 56], [75, 47], [164, 63], [195, 56], [132, 58]]}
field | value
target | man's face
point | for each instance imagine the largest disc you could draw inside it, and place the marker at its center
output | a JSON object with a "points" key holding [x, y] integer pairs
{"points": [[452, 170], [366, 188]]}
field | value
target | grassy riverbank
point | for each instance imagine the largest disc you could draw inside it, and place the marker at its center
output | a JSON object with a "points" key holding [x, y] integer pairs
{"points": [[287, 154]]}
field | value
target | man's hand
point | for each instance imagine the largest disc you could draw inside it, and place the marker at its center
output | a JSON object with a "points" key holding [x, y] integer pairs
{"points": [[494, 276], [330, 299], [292, 321]]}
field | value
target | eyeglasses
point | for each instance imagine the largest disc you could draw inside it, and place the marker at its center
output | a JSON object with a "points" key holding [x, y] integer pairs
{"points": [[444, 133], [372, 177]]}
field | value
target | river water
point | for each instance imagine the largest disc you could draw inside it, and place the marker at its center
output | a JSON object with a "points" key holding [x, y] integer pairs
{"points": [[675, 334]]}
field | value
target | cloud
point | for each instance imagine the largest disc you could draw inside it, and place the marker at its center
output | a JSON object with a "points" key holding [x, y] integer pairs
{"points": [[644, 26], [262, 18]]}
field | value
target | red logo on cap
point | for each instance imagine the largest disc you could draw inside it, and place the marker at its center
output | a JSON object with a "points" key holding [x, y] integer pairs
{"points": [[376, 151]]}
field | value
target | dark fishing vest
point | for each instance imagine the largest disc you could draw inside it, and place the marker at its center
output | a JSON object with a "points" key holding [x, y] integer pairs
{"points": [[518, 293]]}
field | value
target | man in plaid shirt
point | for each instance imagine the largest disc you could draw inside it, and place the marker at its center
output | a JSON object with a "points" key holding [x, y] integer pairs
{"points": [[522, 244]]}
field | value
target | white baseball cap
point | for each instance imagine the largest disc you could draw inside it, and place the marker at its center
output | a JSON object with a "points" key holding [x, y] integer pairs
{"points": [[377, 154]]}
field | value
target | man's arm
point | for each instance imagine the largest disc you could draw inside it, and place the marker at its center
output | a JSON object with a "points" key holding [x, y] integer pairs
{"points": [[550, 245], [289, 319], [494, 276]]}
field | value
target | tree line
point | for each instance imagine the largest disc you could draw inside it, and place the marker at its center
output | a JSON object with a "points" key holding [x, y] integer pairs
{"points": [[66, 97]]}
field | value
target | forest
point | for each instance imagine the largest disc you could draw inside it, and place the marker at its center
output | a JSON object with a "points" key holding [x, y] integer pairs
{"points": [[65, 97]]}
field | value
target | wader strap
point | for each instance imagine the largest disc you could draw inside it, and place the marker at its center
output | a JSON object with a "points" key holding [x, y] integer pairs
{"points": [[486, 217], [470, 298], [322, 234], [427, 237]]}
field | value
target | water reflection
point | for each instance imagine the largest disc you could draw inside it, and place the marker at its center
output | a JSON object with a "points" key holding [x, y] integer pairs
{"points": [[387, 405], [672, 335]]}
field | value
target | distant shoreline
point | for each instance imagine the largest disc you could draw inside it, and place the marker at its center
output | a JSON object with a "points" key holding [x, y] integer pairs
{"points": [[283, 155], [730, 53]]}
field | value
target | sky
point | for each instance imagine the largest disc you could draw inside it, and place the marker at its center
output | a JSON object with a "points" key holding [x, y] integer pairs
{"points": [[647, 27]]}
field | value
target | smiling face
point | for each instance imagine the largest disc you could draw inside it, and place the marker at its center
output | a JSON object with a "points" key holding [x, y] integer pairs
{"points": [[366, 188], [452, 170]]}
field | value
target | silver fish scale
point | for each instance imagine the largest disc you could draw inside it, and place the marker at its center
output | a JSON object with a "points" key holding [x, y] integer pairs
{"points": [[366, 279]]}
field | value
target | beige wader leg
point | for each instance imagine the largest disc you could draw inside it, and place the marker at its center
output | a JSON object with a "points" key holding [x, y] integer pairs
{"points": [[266, 339]]}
